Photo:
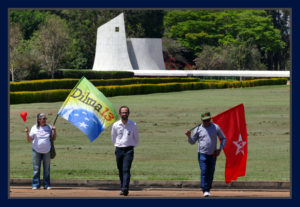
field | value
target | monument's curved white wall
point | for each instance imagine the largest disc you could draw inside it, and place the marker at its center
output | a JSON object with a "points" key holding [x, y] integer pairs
{"points": [[115, 52], [111, 46], [146, 53]]}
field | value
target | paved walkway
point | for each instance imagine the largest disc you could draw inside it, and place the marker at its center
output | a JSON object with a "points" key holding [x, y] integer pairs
{"points": [[62, 188], [92, 192], [140, 184]]}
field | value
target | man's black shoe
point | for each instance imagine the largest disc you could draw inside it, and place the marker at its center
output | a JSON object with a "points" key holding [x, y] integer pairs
{"points": [[124, 193]]}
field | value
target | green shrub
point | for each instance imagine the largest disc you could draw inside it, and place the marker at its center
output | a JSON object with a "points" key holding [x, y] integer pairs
{"points": [[47, 84], [72, 73], [92, 74], [134, 89], [39, 96]]}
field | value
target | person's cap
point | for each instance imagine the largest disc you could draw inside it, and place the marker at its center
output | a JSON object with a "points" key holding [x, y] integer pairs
{"points": [[205, 115], [41, 115]]}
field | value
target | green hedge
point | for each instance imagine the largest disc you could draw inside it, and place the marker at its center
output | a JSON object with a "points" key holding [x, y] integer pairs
{"points": [[47, 84], [61, 94], [92, 74], [39, 96], [73, 73]]}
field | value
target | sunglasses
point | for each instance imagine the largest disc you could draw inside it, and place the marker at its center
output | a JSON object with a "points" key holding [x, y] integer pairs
{"points": [[207, 120], [43, 119]]}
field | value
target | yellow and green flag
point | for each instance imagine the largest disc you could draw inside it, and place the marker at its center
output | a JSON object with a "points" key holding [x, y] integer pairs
{"points": [[88, 109]]}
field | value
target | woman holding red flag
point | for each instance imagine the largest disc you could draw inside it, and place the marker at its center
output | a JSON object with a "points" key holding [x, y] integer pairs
{"points": [[206, 134], [40, 135]]}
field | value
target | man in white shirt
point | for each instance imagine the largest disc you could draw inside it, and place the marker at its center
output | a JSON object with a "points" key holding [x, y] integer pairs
{"points": [[125, 137]]}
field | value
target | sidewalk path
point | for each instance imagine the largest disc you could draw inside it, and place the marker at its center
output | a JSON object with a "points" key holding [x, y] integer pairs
{"points": [[63, 188], [140, 184], [92, 192]]}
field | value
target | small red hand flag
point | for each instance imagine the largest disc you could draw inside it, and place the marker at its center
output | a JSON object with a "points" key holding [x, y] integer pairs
{"points": [[233, 124]]}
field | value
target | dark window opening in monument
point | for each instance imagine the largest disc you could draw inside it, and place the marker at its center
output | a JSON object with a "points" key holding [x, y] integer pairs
{"points": [[117, 29]]}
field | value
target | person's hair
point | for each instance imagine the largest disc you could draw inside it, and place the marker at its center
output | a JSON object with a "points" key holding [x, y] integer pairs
{"points": [[39, 115], [124, 107]]}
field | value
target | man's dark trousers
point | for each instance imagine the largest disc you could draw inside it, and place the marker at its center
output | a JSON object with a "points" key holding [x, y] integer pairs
{"points": [[124, 158]]}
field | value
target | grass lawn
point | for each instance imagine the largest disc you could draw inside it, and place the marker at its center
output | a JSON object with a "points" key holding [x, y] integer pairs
{"points": [[163, 152]]}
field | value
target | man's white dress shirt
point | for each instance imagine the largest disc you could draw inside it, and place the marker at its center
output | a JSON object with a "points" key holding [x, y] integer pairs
{"points": [[125, 135]]}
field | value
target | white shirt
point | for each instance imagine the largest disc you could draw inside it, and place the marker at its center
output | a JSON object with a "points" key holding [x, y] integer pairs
{"points": [[125, 135], [41, 138]]}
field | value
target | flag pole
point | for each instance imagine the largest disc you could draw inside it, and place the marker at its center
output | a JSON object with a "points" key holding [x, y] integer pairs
{"points": [[55, 119], [194, 127]]}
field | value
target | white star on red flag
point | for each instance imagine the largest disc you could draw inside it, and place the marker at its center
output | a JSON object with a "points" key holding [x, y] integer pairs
{"points": [[240, 144]]}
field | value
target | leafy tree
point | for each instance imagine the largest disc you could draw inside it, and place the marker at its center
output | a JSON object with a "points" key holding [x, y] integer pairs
{"points": [[29, 63], [196, 28], [28, 19], [15, 36], [144, 23], [281, 20], [211, 58], [176, 56], [243, 57], [50, 43], [226, 57], [193, 28], [22, 62]]}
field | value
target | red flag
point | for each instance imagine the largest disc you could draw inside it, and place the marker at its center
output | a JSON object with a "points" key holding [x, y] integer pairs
{"points": [[233, 124]]}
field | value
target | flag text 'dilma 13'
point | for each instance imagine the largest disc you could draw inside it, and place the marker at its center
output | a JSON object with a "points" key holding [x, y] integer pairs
{"points": [[233, 124], [88, 109]]}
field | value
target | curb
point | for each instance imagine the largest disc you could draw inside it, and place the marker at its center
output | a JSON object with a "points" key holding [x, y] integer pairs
{"points": [[141, 184]]}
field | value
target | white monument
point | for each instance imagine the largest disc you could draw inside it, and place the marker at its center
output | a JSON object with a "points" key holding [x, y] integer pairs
{"points": [[115, 53]]}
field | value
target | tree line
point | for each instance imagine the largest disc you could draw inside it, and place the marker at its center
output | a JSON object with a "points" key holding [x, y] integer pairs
{"points": [[192, 39]]}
